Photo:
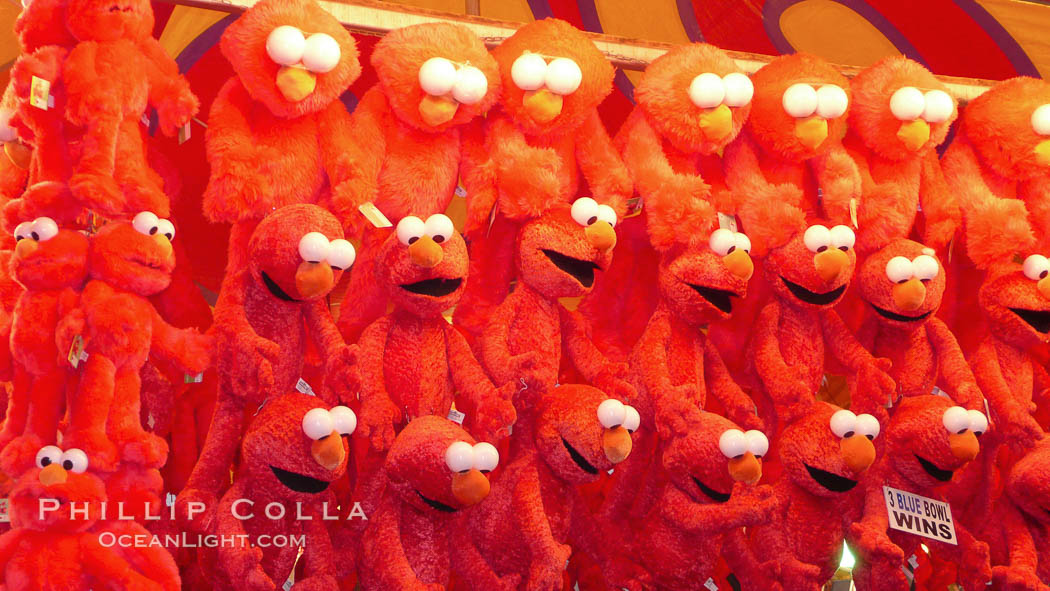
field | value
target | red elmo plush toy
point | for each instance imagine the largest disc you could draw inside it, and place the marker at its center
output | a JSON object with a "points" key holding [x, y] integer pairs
{"points": [[1021, 545]]}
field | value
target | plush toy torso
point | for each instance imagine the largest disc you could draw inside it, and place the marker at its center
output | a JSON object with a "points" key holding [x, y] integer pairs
{"points": [[282, 323]]}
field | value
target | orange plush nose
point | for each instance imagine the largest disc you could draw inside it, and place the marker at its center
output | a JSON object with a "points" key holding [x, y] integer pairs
{"points": [[739, 263], [164, 245], [314, 279], [716, 124], [617, 444], [830, 264], [425, 252], [914, 134], [745, 468], [1042, 153], [18, 153], [1043, 285], [295, 83], [328, 451], [601, 235], [436, 110], [811, 131], [858, 452], [26, 247], [53, 474], [910, 295], [470, 488], [542, 105], [964, 445]]}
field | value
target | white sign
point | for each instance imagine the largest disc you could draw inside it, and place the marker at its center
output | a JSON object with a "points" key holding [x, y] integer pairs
{"points": [[919, 515]]}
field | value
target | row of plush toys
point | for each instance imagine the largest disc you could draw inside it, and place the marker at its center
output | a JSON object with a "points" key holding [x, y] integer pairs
{"points": [[662, 433]]}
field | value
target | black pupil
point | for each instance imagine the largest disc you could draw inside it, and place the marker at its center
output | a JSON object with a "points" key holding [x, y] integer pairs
{"points": [[843, 248], [153, 230], [45, 462], [822, 249], [1044, 274], [731, 249], [848, 434], [68, 464], [439, 238], [413, 239], [168, 234], [592, 220], [35, 236]]}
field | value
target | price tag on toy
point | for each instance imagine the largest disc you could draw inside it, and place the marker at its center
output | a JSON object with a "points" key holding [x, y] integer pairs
{"points": [[727, 221], [460, 191], [919, 515], [4, 518], [853, 212], [455, 416], [373, 215], [77, 354], [40, 93], [184, 133], [194, 379], [710, 584], [634, 207], [303, 387]]}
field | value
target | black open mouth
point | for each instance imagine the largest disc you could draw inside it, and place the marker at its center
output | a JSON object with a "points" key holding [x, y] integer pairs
{"points": [[299, 482], [719, 298], [832, 482], [900, 317], [1037, 319], [275, 289], [582, 271], [579, 459], [710, 492], [812, 297], [438, 505], [436, 287], [933, 470]]}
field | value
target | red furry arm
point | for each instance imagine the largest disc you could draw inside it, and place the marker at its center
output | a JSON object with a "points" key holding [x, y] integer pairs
{"points": [[649, 359], [839, 181], [9, 543], [383, 556], [654, 177], [869, 534], [478, 176], [963, 173], [548, 556], [169, 92], [842, 344], [235, 188], [744, 175], [1014, 418], [105, 564], [468, 563], [1022, 550], [186, 348], [319, 558], [529, 179], [782, 381], [494, 344], [378, 411], [357, 176], [738, 405], [953, 367], [601, 165], [341, 376], [940, 209], [590, 361], [488, 409]]}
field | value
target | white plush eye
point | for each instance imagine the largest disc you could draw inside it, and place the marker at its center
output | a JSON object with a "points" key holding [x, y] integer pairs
{"points": [[49, 454], [722, 241], [1041, 120], [43, 229], [318, 423], [486, 457], [925, 267], [343, 420], [1036, 266], [314, 247], [907, 103], [585, 211], [868, 426], [842, 237], [611, 413], [145, 222], [286, 45], [831, 101], [459, 457], [939, 106], [7, 133], [800, 100], [817, 238], [743, 242], [471, 86], [322, 53], [900, 269], [166, 228], [978, 422], [439, 227], [843, 423], [437, 76], [528, 71], [733, 443], [757, 443], [739, 89], [563, 76], [956, 419], [707, 90], [341, 254], [632, 420], [607, 214], [23, 230], [410, 229], [75, 460]]}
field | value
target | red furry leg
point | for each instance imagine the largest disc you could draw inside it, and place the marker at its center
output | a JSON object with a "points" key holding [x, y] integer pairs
{"points": [[89, 410], [46, 406], [17, 408], [125, 427], [491, 271], [364, 300]]}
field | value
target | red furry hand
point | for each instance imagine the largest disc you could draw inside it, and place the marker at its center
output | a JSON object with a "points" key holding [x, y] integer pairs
{"points": [[245, 568], [496, 413], [68, 328], [316, 583], [975, 572], [247, 360], [545, 573], [347, 196], [610, 380], [378, 417], [756, 504], [240, 181], [796, 574], [1020, 429], [876, 387], [189, 513], [176, 110], [1011, 578], [342, 378], [875, 546]]}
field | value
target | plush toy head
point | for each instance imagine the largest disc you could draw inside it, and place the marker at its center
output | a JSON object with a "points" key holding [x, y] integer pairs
{"points": [[109, 20], [1009, 126], [291, 55], [928, 439], [1029, 483], [553, 76], [46, 257], [298, 253], [294, 447], [437, 467], [899, 108], [423, 265], [43, 22], [135, 256], [1016, 299], [826, 449], [699, 281], [436, 75], [581, 433], [799, 107], [813, 268], [903, 283], [696, 97], [45, 495], [559, 251]]}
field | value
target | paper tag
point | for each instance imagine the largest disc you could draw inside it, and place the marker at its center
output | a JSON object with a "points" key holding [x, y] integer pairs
{"points": [[913, 562], [951, 248], [460, 191], [727, 221], [169, 499], [303, 387], [150, 421], [3, 511], [938, 392], [373, 215], [144, 119], [50, 101], [919, 515], [710, 584], [184, 133], [455, 416], [40, 93], [77, 354], [853, 212], [195, 379], [634, 207]]}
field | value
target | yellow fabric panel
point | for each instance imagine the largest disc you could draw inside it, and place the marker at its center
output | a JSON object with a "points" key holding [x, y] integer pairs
{"points": [[634, 76], [653, 20], [1029, 24], [453, 6], [185, 25], [834, 32], [9, 48], [507, 10]]}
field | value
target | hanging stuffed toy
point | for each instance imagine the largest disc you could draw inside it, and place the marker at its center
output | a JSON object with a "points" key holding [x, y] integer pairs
{"points": [[545, 139], [292, 452], [414, 127], [1020, 547]]}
